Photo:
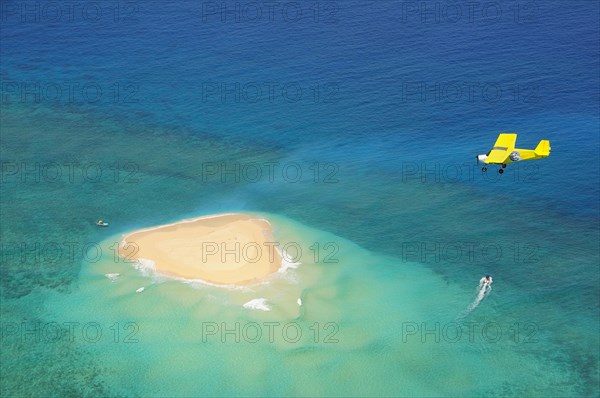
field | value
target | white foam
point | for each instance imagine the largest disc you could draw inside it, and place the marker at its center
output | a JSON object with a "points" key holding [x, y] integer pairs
{"points": [[148, 268], [287, 262], [145, 266], [258, 304], [112, 277], [200, 283]]}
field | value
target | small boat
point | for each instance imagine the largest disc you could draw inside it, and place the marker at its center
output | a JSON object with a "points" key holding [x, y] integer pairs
{"points": [[101, 223], [141, 289]]}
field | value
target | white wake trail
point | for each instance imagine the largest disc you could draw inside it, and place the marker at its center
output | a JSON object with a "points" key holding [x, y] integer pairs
{"points": [[482, 291]]}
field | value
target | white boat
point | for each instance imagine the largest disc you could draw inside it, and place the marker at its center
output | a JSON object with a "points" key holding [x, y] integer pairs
{"points": [[101, 223]]}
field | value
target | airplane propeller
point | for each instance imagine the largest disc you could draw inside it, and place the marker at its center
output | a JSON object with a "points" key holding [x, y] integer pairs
{"points": [[481, 158]]}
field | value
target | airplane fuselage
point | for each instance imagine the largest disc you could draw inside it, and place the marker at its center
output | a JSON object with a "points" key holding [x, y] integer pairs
{"points": [[504, 152]]}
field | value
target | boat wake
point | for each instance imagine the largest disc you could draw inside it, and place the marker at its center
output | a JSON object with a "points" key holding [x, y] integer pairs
{"points": [[482, 291]]}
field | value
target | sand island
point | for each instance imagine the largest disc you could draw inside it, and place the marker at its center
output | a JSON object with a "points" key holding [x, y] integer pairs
{"points": [[221, 249]]}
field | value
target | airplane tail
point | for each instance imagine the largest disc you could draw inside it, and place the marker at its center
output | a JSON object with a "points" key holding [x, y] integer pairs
{"points": [[543, 148]]}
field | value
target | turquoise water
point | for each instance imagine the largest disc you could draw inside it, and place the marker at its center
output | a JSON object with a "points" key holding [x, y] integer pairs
{"points": [[395, 221]]}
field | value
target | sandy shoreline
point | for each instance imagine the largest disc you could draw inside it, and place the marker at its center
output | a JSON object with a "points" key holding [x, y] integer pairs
{"points": [[221, 249]]}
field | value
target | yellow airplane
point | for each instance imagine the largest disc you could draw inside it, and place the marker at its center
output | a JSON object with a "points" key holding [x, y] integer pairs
{"points": [[504, 152]]}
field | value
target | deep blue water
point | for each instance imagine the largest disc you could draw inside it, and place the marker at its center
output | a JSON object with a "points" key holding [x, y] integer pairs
{"points": [[393, 100], [372, 74]]}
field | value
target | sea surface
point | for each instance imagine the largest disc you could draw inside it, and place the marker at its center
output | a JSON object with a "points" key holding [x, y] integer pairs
{"points": [[352, 126]]}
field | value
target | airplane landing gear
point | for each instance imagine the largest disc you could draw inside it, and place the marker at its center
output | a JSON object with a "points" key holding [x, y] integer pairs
{"points": [[503, 165]]}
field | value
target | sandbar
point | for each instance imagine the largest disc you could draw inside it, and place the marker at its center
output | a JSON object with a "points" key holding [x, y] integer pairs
{"points": [[220, 249]]}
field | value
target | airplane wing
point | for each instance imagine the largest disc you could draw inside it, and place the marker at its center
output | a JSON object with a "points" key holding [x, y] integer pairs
{"points": [[502, 148]]}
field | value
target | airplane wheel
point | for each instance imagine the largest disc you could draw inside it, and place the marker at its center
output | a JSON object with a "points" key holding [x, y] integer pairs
{"points": [[500, 171], [503, 166], [484, 169]]}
